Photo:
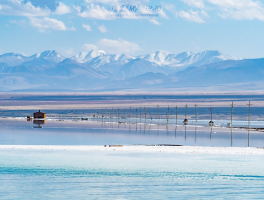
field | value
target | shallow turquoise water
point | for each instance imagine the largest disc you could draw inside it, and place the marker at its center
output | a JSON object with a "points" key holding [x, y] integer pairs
{"points": [[47, 174]]}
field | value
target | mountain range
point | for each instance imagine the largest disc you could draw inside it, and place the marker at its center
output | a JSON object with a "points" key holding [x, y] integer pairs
{"points": [[99, 71]]}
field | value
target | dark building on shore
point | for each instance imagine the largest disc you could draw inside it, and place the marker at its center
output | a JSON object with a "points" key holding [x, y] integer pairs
{"points": [[39, 114]]}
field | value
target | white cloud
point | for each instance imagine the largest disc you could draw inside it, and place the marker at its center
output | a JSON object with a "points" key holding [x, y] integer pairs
{"points": [[192, 16], [48, 23], [102, 28], [19, 8], [239, 9], [195, 3], [68, 51], [87, 27], [204, 13], [62, 9], [96, 12], [114, 2], [114, 46], [154, 21]]}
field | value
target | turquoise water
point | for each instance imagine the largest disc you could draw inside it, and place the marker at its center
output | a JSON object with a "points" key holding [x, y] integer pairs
{"points": [[47, 174]]}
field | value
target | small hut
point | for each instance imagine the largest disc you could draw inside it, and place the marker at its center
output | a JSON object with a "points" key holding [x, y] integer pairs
{"points": [[39, 114]]}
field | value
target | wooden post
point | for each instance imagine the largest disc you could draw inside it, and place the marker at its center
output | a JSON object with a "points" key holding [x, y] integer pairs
{"points": [[158, 112], [168, 114], [130, 115], [176, 114], [140, 114], [136, 116], [249, 104], [145, 115], [118, 114], [211, 123], [150, 114], [195, 114]]}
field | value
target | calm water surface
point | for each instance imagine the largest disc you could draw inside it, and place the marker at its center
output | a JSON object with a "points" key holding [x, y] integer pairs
{"points": [[47, 174], [54, 132], [43, 174]]}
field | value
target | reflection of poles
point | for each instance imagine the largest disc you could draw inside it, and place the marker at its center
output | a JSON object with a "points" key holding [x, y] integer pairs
{"points": [[185, 133], [231, 137], [211, 133], [249, 104], [248, 137], [195, 133]]}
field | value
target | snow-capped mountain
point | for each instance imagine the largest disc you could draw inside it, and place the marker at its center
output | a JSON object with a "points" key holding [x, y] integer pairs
{"points": [[13, 59], [50, 55], [185, 59], [83, 57], [97, 69], [159, 57]]}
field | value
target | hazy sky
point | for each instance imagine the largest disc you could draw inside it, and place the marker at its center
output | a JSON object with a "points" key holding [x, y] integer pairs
{"points": [[234, 27]]}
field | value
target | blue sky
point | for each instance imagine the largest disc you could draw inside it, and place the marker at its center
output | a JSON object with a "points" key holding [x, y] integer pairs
{"points": [[234, 27]]}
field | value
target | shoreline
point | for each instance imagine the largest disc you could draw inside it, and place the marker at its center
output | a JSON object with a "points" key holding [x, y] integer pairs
{"points": [[144, 149]]}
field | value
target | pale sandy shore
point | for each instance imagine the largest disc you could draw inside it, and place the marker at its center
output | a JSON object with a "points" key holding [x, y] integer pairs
{"points": [[145, 149]]}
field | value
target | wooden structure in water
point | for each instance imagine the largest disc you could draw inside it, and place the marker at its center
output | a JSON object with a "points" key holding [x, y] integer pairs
{"points": [[39, 114]]}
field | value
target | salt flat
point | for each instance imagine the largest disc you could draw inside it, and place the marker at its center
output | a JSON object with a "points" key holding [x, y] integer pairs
{"points": [[146, 149]]}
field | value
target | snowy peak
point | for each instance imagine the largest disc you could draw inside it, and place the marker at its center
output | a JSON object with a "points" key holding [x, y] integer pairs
{"points": [[83, 57], [206, 57], [158, 57], [50, 55], [13, 59]]}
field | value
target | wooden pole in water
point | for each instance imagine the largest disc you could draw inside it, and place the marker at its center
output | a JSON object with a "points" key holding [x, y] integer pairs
{"points": [[249, 104], [150, 114], [136, 116], [145, 115], [232, 106], [168, 114], [140, 114], [102, 114], [158, 112], [130, 115], [186, 111], [176, 114], [118, 114], [211, 123], [195, 114]]}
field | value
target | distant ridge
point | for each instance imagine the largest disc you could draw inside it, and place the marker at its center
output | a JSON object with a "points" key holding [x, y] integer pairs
{"points": [[97, 70]]}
